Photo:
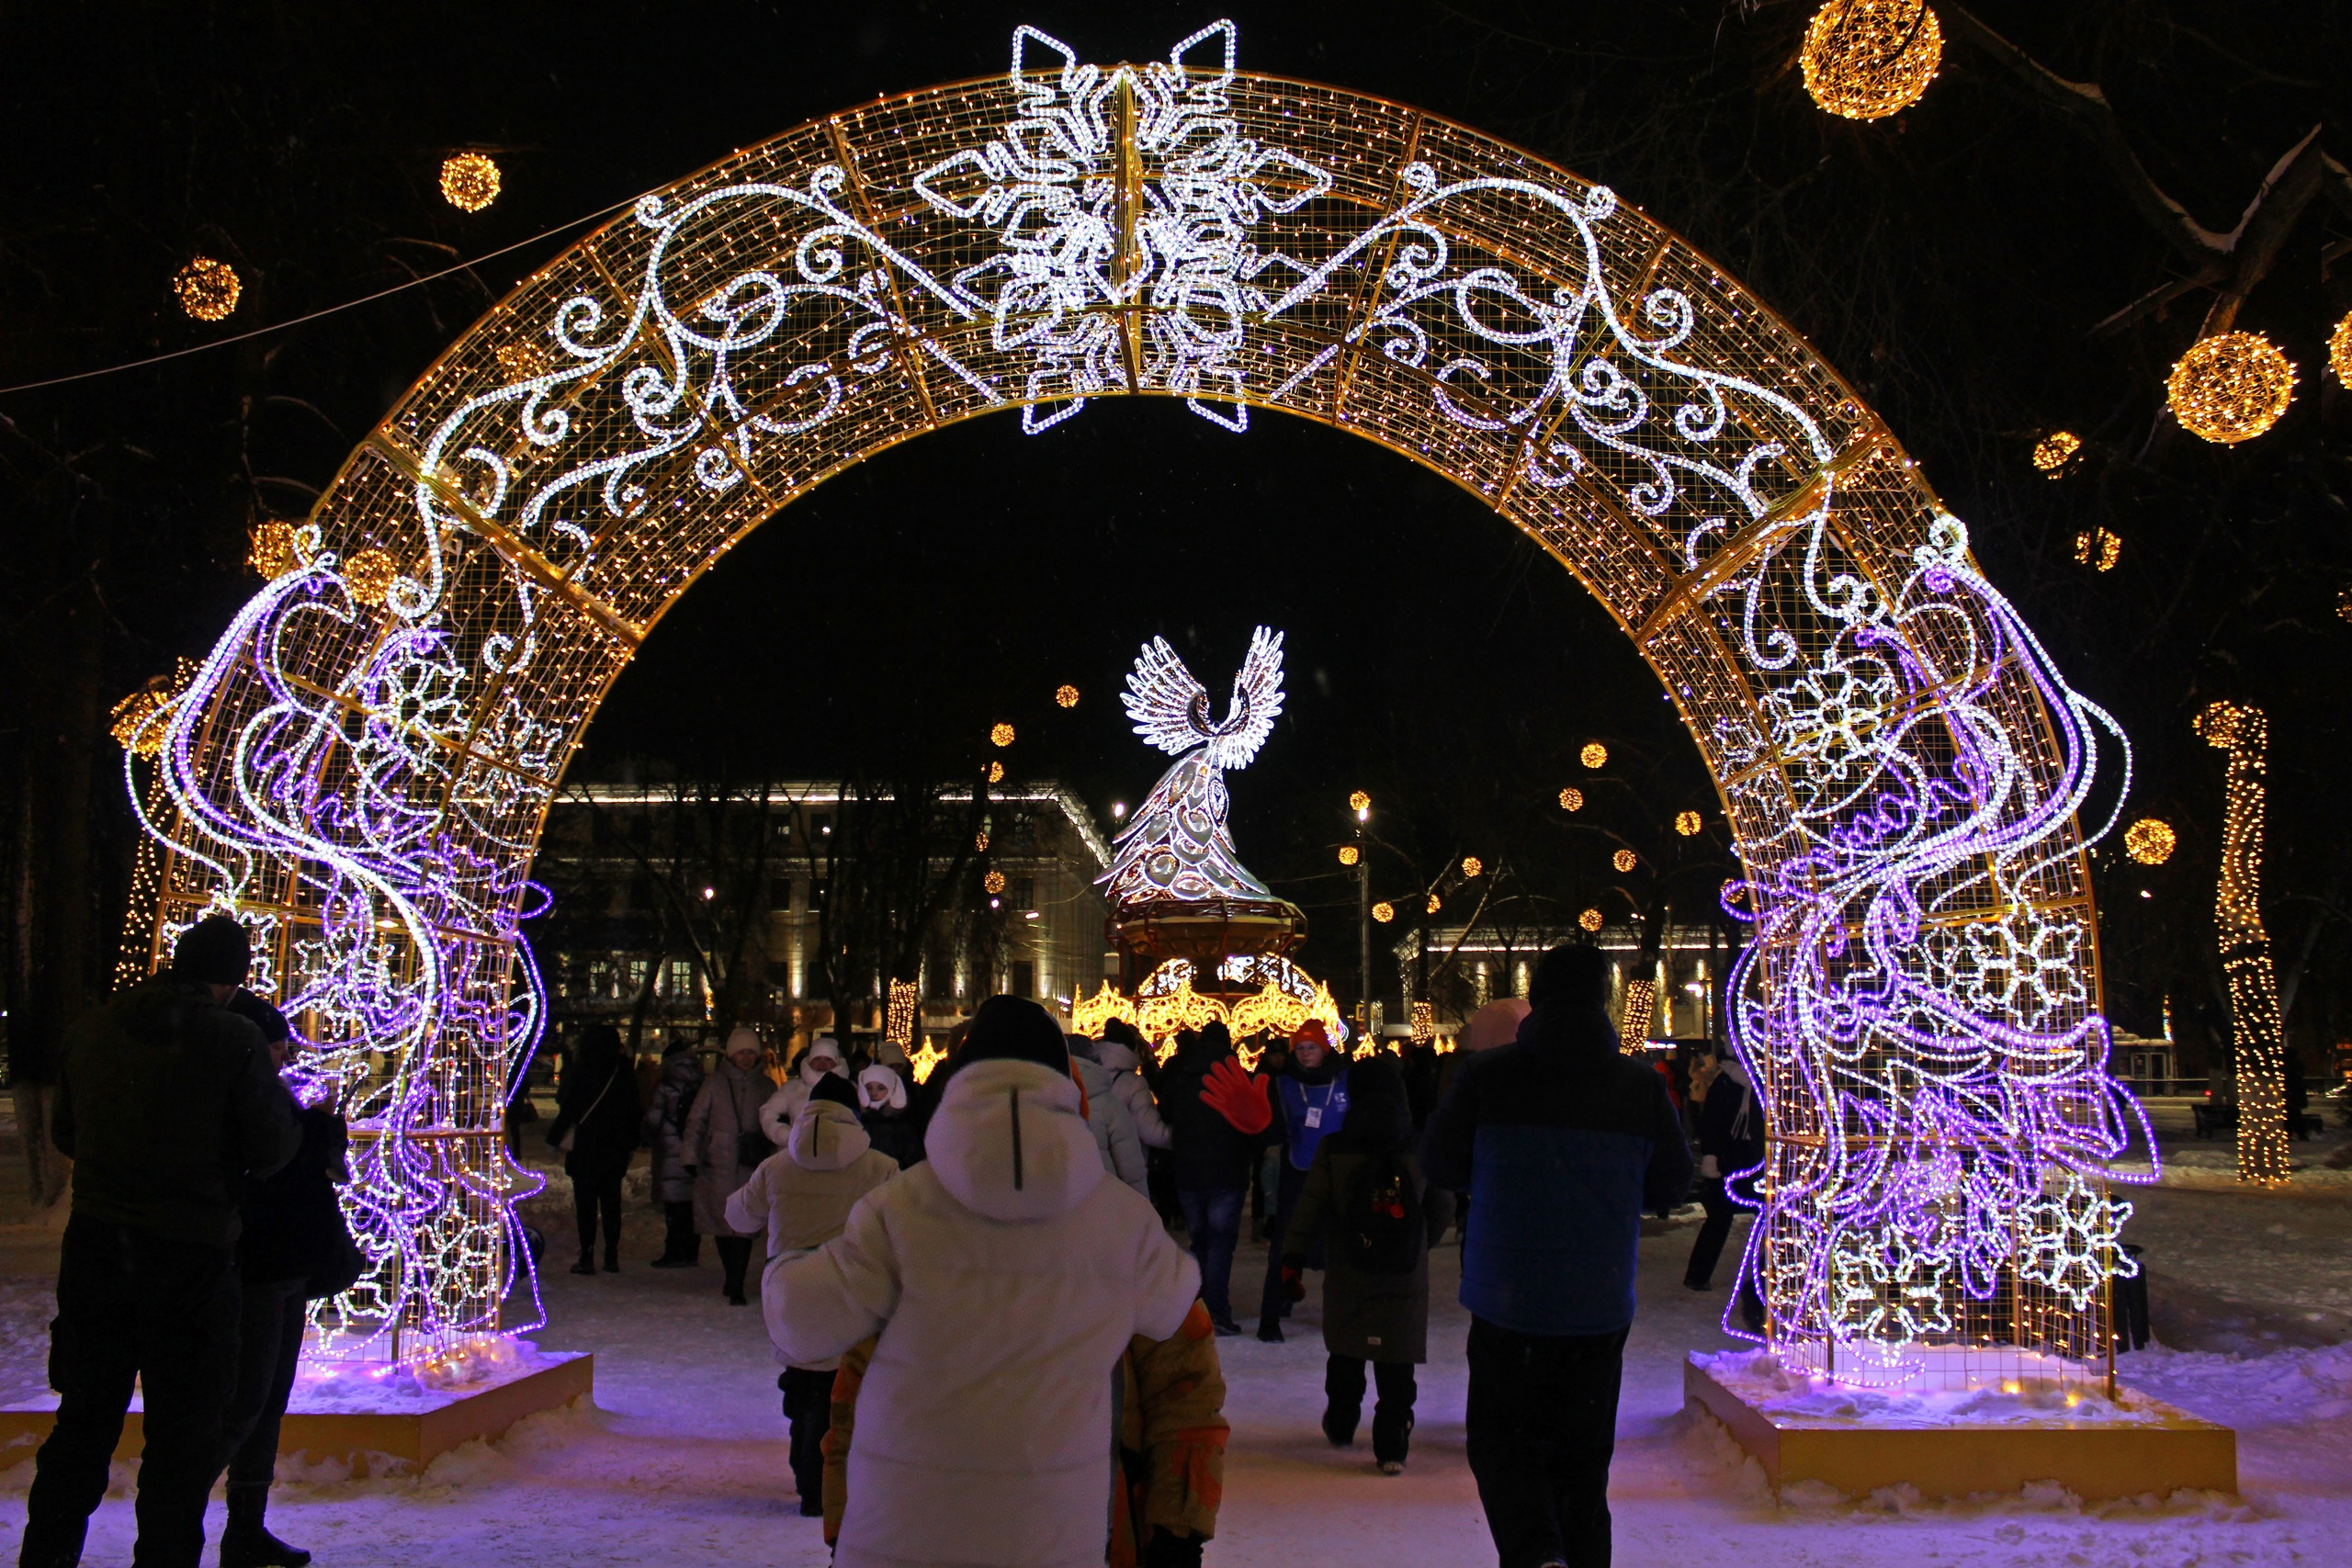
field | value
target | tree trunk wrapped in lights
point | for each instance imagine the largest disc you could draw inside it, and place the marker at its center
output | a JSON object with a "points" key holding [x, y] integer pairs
{"points": [[2260, 1046]]}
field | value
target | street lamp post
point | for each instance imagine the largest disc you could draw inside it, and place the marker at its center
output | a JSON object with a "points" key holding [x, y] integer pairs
{"points": [[1362, 803]]}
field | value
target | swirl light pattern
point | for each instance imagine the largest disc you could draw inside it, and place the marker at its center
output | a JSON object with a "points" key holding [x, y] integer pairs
{"points": [[360, 769]]}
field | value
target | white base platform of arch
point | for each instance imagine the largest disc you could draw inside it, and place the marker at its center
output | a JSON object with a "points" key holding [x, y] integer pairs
{"points": [[2161, 1452], [389, 1442]]}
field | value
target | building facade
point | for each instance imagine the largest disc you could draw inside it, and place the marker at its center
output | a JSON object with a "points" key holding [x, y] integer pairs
{"points": [[1687, 976], [673, 913]]}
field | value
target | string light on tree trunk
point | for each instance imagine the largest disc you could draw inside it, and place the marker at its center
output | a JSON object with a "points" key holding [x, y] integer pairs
{"points": [[1866, 58], [2149, 841], [1641, 1012], [2097, 549], [468, 181], [2230, 388], [2257, 1042], [208, 289], [1688, 824], [2055, 450], [1065, 696], [1572, 799], [899, 1026], [1594, 755]]}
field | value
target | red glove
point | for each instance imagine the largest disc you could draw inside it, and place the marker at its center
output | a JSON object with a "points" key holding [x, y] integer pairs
{"points": [[1236, 1096], [1295, 1284]]}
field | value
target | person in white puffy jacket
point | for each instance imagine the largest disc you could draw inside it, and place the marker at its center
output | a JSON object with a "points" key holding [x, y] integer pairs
{"points": [[802, 1198], [1107, 1116], [1120, 1050], [1005, 1275], [823, 1059]]}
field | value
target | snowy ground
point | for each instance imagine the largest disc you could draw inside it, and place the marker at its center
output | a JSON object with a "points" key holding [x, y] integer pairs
{"points": [[682, 1462]]}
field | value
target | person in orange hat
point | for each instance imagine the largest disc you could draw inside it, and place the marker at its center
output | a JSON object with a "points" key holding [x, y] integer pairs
{"points": [[1310, 1098]]}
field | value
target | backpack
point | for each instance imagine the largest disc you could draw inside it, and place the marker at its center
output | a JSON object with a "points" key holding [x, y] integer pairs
{"points": [[1380, 1225]]}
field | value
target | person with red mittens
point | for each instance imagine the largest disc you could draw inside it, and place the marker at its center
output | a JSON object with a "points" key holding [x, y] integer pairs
{"points": [[1217, 1114]]}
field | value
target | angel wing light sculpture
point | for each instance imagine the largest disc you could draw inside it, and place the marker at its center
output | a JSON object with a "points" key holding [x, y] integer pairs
{"points": [[1177, 846]]}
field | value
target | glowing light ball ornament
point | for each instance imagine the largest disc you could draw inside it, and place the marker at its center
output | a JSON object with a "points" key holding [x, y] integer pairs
{"points": [[522, 361], [996, 773], [1624, 860], [1434, 905], [2339, 350], [468, 181], [1384, 911], [1349, 854], [1594, 755], [1358, 802], [981, 843], [1688, 824], [1572, 799], [1065, 696], [276, 548], [1473, 867], [370, 575], [1001, 735], [2344, 603], [2149, 841], [2259, 1043], [2055, 450], [208, 289], [2097, 549], [1867, 59], [2230, 388], [993, 882], [1590, 919]]}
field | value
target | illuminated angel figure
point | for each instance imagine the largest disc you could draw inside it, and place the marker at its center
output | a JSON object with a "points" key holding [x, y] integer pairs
{"points": [[1177, 846]]}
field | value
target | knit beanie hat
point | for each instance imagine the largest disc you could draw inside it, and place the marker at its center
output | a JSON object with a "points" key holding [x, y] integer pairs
{"points": [[834, 1087], [1017, 1029], [213, 951]]}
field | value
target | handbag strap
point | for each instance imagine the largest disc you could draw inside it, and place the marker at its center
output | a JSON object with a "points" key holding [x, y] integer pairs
{"points": [[600, 1094]]}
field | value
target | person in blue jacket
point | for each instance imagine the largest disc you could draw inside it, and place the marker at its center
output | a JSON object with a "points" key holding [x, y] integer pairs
{"points": [[1561, 1142], [1310, 1100]]}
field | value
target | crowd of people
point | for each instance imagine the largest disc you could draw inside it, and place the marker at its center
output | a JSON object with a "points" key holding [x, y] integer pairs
{"points": [[991, 1346]]}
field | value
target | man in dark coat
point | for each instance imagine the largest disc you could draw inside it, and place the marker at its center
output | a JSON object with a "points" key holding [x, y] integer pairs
{"points": [[596, 1109], [1216, 1113], [1561, 1142], [294, 1245], [167, 1104], [1730, 1148]]}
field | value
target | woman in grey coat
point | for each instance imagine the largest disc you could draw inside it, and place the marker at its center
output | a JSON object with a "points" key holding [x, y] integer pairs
{"points": [[674, 1093], [723, 1146], [1364, 1191]]}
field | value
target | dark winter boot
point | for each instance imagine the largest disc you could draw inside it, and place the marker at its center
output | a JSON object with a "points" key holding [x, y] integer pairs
{"points": [[246, 1543], [587, 1264], [1340, 1425], [59, 1546]]}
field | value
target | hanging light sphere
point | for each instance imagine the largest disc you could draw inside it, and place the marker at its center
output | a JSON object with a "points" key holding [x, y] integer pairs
{"points": [[2055, 450], [2097, 549], [1572, 799], [2231, 388], [2217, 724], [996, 773], [521, 361], [1001, 735], [469, 182], [1435, 904], [208, 289], [132, 726], [981, 842], [1623, 860], [2344, 603], [1866, 58], [993, 882], [1349, 854], [1384, 911], [2339, 350], [369, 576], [1589, 920], [1065, 696], [2149, 841], [277, 550], [1358, 801], [1472, 866], [1594, 755], [1687, 823]]}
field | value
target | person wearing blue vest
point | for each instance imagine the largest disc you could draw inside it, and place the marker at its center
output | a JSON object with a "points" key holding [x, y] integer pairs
{"points": [[1310, 1100], [1561, 1142]]}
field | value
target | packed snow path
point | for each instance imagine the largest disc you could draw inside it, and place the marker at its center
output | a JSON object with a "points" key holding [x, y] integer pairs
{"points": [[682, 1461]]}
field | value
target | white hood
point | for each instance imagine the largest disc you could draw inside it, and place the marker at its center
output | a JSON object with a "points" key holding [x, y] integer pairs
{"points": [[1008, 1142], [826, 1136], [1115, 1056]]}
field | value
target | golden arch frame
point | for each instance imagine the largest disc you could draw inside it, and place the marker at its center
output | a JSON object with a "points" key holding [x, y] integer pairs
{"points": [[361, 767]]}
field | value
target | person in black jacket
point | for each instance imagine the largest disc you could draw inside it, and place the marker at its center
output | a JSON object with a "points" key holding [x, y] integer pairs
{"points": [[596, 1107], [1562, 1142], [1216, 1112], [294, 1245], [1731, 1147], [167, 1103]]}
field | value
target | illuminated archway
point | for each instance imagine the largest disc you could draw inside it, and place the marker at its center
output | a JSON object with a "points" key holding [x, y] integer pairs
{"points": [[361, 766]]}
